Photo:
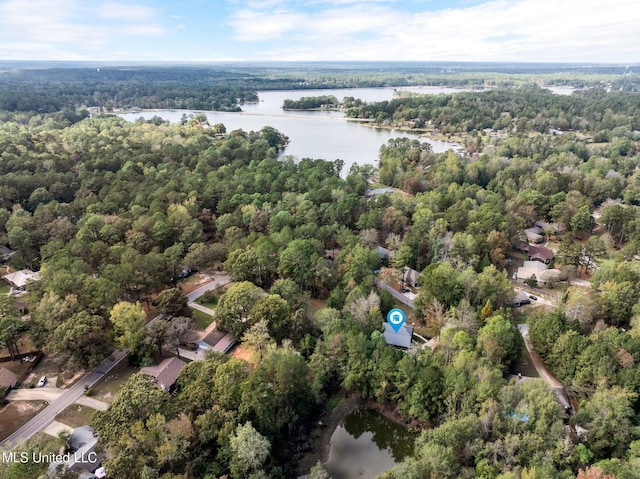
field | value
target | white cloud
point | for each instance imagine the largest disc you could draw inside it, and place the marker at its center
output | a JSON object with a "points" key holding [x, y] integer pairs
{"points": [[69, 29], [125, 11], [499, 30]]}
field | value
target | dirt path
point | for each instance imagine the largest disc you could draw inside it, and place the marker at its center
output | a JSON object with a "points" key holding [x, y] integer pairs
{"points": [[543, 372]]}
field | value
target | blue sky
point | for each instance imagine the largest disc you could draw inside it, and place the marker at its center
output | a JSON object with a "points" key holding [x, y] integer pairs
{"points": [[586, 31]]}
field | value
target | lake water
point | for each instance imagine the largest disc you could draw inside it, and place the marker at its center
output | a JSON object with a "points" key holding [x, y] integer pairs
{"points": [[314, 134], [366, 444]]}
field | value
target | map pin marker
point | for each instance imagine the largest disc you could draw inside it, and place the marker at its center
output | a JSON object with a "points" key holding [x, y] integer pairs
{"points": [[396, 318]]}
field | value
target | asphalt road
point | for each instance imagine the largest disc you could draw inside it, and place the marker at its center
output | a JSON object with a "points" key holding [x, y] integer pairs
{"points": [[64, 400]]}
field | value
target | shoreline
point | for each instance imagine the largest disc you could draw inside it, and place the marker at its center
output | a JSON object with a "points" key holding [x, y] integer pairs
{"points": [[320, 435]]}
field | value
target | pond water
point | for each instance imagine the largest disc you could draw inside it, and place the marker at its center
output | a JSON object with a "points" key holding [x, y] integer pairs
{"points": [[313, 134], [366, 444]]}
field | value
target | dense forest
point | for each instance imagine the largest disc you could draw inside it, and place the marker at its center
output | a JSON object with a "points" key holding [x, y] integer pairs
{"points": [[59, 88], [110, 212]]}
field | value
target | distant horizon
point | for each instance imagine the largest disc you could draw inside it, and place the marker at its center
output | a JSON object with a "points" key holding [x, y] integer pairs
{"points": [[215, 31], [293, 63]]}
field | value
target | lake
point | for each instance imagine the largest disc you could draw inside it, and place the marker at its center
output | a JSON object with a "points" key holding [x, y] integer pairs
{"points": [[313, 134], [366, 444]]}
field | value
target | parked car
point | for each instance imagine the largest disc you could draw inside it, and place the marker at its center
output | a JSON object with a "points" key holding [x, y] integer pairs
{"points": [[405, 290], [42, 382], [535, 298]]}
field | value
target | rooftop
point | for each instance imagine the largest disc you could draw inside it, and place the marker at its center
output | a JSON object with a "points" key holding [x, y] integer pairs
{"points": [[20, 278], [166, 372], [401, 339], [7, 378]]}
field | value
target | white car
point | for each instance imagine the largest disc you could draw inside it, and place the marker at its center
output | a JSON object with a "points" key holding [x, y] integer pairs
{"points": [[42, 382]]}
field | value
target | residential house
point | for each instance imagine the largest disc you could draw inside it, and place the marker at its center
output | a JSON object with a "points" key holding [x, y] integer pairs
{"points": [[216, 340], [166, 373], [20, 279], [379, 191], [8, 379], [384, 252], [401, 339], [541, 254], [529, 269], [553, 228], [5, 254], [520, 299], [410, 277], [537, 253], [534, 234]]}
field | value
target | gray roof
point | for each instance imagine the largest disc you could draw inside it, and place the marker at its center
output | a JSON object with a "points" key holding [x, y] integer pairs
{"points": [[20, 278], [410, 276], [401, 339], [521, 298], [380, 191]]}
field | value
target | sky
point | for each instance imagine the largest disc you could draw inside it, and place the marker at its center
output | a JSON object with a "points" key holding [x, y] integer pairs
{"points": [[581, 31]]}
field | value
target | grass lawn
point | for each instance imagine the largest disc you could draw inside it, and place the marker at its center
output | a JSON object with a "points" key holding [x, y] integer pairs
{"points": [[206, 304], [5, 288], [201, 320], [76, 416], [109, 387]]}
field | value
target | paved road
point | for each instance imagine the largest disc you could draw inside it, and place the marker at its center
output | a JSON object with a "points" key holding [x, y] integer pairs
{"points": [[64, 400]]}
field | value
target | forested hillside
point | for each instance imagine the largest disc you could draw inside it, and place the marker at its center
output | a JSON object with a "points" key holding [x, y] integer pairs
{"points": [[111, 211]]}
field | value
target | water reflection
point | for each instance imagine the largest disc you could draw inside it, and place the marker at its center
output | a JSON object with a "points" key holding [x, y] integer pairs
{"points": [[366, 444], [313, 134]]}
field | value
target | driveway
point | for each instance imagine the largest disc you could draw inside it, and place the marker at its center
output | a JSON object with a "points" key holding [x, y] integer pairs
{"points": [[60, 403], [543, 372], [34, 394], [218, 280]]}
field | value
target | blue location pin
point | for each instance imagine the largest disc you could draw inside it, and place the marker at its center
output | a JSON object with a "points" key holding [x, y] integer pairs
{"points": [[396, 318]]}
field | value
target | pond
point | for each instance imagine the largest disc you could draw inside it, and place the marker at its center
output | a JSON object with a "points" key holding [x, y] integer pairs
{"points": [[366, 444], [326, 135]]}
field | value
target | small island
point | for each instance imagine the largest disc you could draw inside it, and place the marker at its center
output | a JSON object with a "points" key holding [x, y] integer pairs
{"points": [[323, 102]]}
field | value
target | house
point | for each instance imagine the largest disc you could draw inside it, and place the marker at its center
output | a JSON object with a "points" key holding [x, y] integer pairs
{"points": [[20, 279], [410, 277], [5, 253], [520, 299], [534, 235], [541, 254], [379, 191], [530, 268], [166, 373], [537, 253], [216, 340], [384, 252], [401, 339], [553, 228], [331, 253], [8, 379]]}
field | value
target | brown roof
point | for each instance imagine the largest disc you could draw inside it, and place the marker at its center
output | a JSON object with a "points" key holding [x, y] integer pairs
{"points": [[7, 378], [166, 372], [540, 253], [213, 337]]}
